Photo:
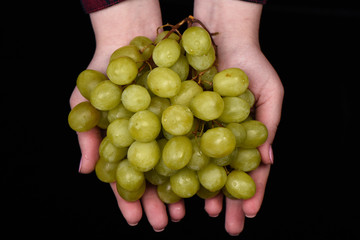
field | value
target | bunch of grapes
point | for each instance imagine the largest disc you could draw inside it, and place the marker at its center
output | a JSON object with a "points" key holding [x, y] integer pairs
{"points": [[171, 119]]}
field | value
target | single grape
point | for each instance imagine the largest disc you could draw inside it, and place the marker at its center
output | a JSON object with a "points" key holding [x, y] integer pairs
{"points": [[119, 112], [131, 196], [108, 152], [144, 156], [161, 168], [128, 51], [122, 70], [224, 161], [177, 120], [164, 82], [135, 98], [239, 132], [161, 36], [198, 159], [206, 194], [177, 152], [105, 96], [181, 67], [185, 183], [103, 121], [240, 185], [188, 90], [235, 110], [230, 82], [207, 105], [166, 52], [155, 178], [87, 81], [212, 177], [207, 77], [256, 134], [106, 171], [249, 97], [128, 177], [246, 159], [83, 117], [158, 105], [217, 142], [166, 194], [118, 133], [202, 62], [145, 46], [144, 126], [196, 41]]}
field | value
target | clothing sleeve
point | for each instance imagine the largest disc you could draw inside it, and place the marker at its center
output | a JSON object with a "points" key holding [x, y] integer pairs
{"points": [[256, 1], [90, 6]]}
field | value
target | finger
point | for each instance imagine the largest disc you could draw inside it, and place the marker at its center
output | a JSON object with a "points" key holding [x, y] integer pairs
{"points": [[131, 211], [213, 206], [177, 211], [260, 175], [154, 208], [234, 216], [89, 144]]}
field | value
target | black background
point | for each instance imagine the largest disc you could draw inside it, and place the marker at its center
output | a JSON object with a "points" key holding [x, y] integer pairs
{"points": [[312, 191]]}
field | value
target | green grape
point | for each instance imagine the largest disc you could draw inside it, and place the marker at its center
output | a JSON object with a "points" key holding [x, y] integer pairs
{"points": [[106, 171], [196, 41], [166, 194], [246, 159], [249, 97], [212, 177], [144, 126], [235, 110], [217, 142], [198, 159], [239, 132], [118, 133], [144, 156], [206, 194], [105, 96], [108, 152], [202, 62], [135, 98], [131, 196], [87, 81], [227, 194], [181, 67], [103, 121], [166, 53], [240, 185], [158, 105], [177, 120], [164, 82], [207, 77], [224, 161], [256, 134], [122, 70], [230, 82], [185, 183], [83, 117], [161, 36], [177, 152], [188, 90], [128, 177], [119, 112], [145, 45], [128, 51], [161, 168], [155, 178], [207, 105]]}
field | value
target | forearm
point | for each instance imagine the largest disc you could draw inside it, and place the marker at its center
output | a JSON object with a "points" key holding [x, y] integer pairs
{"points": [[233, 19]]}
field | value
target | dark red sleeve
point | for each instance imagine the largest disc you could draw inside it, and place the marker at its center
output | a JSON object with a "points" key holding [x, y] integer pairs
{"points": [[96, 5]]}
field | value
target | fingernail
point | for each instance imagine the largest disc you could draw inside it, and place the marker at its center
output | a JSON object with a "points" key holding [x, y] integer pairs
{"points": [[175, 220], [133, 224], [213, 215], [79, 170], [271, 155], [250, 216], [159, 230]]}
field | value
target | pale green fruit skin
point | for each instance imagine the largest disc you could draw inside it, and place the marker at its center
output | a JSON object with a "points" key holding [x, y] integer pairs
{"points": [[109, 152], [202, 62], [122, 70], [206, 194], [131, 196], [105, 96], [181, 67], [212, 177], [144, 156], [83, 117], [217, 142], [164, 82], [235, 110], [118, 133], [177, 120], [246, 159], [166, 52], [128, 177], [119, 112], [198, 160], [256, 134], [166, 194], [158, 105], [239, 132], [177, 152], [87, 81], [106, 171], [144, 126], [207, 105], [248, 96], [128, 51], [185, 183], [196, 41], [230, 82], [135, 98], [240, 185], [155, 178], [188, 90]]}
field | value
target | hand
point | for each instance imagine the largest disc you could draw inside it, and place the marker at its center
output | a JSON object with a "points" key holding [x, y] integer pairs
{"points": [[237, 23], [115, 27]]}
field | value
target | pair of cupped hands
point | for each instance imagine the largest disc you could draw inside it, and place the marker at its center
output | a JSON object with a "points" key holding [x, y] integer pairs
{"points": [[237, 23]]}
